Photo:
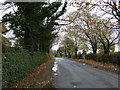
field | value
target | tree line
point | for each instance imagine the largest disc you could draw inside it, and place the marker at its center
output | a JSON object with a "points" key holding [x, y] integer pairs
{"points": [[89, 29]]}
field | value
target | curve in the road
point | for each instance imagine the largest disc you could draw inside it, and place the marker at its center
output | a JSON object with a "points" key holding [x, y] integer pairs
{"points": [[71, 74]]}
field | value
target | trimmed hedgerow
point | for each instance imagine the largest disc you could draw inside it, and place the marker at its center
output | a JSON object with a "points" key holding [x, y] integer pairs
{"points": [[113, 58], [16, 66]]}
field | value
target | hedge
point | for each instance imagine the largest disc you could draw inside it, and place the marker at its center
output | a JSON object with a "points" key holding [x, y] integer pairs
{"points": [[16, 66], [113, 58]]}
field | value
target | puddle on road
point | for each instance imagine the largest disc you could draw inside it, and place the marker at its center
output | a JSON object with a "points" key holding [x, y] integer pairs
{"points": [[55, 68], [84, 64]]}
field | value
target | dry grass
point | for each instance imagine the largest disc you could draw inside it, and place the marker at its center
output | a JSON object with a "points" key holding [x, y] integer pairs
{"points": [[106, 66]]}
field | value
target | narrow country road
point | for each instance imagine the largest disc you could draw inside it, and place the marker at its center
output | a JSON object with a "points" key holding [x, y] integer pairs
{"points": [[71, 74]]}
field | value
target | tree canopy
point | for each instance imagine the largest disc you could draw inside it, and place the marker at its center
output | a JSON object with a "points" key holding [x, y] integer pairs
{"points": [[33, 23]]}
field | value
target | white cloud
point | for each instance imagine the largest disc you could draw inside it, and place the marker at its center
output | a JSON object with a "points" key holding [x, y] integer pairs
{"points": [[2, 1]]}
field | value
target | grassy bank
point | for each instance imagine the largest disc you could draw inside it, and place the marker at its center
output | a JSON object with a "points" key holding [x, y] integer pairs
{"points": [[16, 66], [41, 77], [106, 66]]}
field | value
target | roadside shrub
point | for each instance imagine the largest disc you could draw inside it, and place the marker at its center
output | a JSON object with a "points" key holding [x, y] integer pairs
{"points": [[6, 49], [16, 66], [79, 56], [113, 58]]}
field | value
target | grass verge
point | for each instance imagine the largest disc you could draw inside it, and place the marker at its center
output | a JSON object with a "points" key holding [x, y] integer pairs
{"points": [[16, 66], [40, 78], [106, 66]]}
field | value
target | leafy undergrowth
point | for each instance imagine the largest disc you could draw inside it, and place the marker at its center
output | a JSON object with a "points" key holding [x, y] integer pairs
{"points": [[106, 66], [40, 78]]}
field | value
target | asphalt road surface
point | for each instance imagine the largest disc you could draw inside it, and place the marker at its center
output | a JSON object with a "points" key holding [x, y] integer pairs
{"points": [[71, 74]]}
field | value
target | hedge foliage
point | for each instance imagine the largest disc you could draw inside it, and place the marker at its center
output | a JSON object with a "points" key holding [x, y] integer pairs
{"points": [[113, 58], [16, 66]]}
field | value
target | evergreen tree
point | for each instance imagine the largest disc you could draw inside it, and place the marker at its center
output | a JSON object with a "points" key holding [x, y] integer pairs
{"points": [[33, 23]]}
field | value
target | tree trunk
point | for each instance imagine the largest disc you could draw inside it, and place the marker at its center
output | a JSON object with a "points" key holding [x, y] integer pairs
{"points": [[94, 48], [27, 40], [65, 53], [69, 55], [107, 50], [76, 52]]}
